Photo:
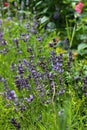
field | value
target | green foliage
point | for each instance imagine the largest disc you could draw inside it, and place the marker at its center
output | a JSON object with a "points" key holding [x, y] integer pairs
{"points": [[82, 49], [61, 111], [51, 100]]}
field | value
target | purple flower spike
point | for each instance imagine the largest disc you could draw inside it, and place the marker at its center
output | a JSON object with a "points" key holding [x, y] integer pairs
{"points": [[56, 15], [85, 94], [4, 42], [0, 22], [29, 49], [11, 95], [15, 4], [30, 98], [1, 35], [39, 38]]}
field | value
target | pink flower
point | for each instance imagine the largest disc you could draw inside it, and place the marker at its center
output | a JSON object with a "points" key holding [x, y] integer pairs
{"points": [[79, 7], [6, 4]]}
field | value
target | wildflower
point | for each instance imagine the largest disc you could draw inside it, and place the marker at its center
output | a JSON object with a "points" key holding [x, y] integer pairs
{"points": [[16, 41], [22, 82], [56, 15], [79, 7], [23, 108], [33, 30], [50, 44], [0, 22], [85, 94], [25, 37], [14, 122], [1, 35], [22, 5], [27, 2], [29, 49], [6, 4], [30, 98], [15, 4], [57, 63], [61, 91], [39, 38], [4, 42], [20, 68], [12, 95]]}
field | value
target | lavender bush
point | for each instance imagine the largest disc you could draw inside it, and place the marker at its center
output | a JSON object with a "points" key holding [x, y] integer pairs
{"points": [[40, 87]]}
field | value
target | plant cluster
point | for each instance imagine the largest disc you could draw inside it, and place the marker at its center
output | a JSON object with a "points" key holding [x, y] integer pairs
{"points": [[43, 85], [38, 85]]}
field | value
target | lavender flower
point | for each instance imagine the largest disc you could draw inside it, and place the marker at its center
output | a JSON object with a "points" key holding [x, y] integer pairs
{"points": [[12, 95], [0, 22], [23, 108], [4, 42], [85, 94], [60, 92], [27, 2], [51, 44], [14, 122], [20, 68], [29, 49], [39, 38], [25, 37], [15, 3], [1, 35], [33, 30], [85, 81], [30, 98], [26, 62], [22, 83], [56, 15], [57, 63], [22, 5], [16, 41]]}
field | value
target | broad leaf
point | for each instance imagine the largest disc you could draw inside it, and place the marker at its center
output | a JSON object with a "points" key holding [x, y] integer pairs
{"points": [[82, 49]]}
